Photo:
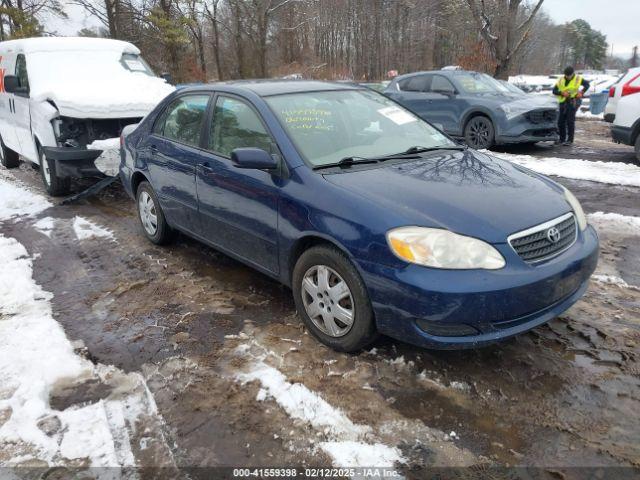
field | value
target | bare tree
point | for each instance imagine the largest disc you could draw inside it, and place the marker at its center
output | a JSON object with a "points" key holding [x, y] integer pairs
{"points": [[505, 27]]}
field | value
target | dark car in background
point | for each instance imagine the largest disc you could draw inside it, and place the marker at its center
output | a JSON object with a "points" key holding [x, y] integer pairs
{"points": [[476, 107]]}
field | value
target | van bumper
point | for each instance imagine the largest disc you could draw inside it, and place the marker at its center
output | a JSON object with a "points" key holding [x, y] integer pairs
{"points": [[74, 162]]}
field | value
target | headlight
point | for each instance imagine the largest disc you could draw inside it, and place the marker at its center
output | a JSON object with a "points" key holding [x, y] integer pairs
{"points": [[437, 248], [577, 208]]}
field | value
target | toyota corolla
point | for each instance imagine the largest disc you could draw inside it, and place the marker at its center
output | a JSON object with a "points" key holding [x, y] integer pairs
{"points": [[378, 222]]}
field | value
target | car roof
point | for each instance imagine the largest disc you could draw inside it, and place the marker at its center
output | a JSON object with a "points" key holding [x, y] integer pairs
{"points": [[56, 44], [444, 73], [265, 88]]}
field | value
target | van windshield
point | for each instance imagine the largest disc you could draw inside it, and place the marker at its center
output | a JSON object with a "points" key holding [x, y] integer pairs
{"points": [[329, 126]]}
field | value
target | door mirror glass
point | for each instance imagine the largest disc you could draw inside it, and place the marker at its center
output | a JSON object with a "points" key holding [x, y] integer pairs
{"points": [[254, 158], [12, 85]]}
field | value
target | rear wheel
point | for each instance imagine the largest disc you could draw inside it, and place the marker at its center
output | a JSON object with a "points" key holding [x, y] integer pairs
{"points": [[332, 300], [479, 133], [8, 157], [56, 186], [638, 147], [151, 217]]}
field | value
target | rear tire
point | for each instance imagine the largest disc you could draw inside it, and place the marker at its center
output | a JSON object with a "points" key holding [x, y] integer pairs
{"points": [[56, 186], [152, 219], [8, 157], [479, 133], [343, 291], [638, 147]]}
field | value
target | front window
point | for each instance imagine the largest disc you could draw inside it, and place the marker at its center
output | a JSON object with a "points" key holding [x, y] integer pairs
{"points": [[329, 126], [480, 83]]}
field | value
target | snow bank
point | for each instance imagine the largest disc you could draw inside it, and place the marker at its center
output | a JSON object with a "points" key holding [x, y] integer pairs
{"points": [[86, 79], [85, 229], [613, 173]]}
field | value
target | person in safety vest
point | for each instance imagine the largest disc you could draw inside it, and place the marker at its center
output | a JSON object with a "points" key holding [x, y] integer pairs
{"points": [[569, 95]]}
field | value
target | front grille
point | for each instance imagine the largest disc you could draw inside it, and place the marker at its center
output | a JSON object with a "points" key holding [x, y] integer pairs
{"points": [[543, 116], [535, 244]]}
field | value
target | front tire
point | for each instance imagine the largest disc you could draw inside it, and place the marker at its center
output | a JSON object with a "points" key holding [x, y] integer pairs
{"points": [[8, 157], [54, 185], [479, 133], [332, 300], [152, 220]]}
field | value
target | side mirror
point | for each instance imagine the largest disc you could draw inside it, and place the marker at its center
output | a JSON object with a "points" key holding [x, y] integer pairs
{"points": [[167, 78], [12, 85], [253, 158]]}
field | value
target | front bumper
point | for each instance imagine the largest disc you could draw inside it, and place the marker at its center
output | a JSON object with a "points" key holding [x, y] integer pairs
{"points": [[73, 162], [521, 129], [486, 306], [621, 134]]}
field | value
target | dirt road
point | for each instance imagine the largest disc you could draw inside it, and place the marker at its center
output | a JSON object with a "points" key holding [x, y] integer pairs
{"points": [[226, 359]]}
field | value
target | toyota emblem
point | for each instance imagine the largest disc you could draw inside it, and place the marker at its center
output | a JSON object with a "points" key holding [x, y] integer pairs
{"points": [[553, 235]]}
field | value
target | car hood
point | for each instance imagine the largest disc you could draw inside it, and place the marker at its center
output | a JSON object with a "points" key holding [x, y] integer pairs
{"points": [[466, 191]]}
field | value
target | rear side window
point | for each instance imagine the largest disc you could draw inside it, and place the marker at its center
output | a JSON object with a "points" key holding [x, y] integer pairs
{"points": [[21, 71], [419, 83], [182, 119], [236, 125]]}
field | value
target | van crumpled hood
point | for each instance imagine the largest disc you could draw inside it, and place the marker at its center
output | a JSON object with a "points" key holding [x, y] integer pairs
{"points": [[467, 192], [93, 84]]}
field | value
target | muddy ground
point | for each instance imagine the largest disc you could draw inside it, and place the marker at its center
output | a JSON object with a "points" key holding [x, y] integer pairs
{"points": [[191, 319]]}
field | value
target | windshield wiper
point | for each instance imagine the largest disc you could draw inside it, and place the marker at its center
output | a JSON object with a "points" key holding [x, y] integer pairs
{"points": [[419, 149], [346, 162]]}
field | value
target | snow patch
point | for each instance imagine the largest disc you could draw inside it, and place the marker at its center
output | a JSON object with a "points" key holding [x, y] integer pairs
{"points": [[86, 229], [349, 454], [109, 160], [614, 173], [45, 226], [614, 222], [17, 201], [612, 280]]}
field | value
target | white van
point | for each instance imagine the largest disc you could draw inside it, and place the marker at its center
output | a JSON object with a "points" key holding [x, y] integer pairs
{"points": [[64, 102], [626, 126]]}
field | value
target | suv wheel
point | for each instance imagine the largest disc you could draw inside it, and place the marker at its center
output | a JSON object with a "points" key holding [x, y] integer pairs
{"points": [[479, 133], [8, 157], [56, 186], [151, 217], [332, 300]]}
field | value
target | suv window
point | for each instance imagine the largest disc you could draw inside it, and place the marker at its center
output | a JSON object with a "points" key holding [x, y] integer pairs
{"points": [[21, 71], [182, 120], [441, 84], [236, 125], [418, 83]]}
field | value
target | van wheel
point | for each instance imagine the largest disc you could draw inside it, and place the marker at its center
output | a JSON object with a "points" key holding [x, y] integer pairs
{"points": [[638, 147], [8, 157], [332, 300], [152, 220], [479, 133], [55, 186]]}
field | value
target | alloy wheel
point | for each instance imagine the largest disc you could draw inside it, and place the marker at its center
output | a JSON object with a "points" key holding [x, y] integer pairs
{"points": [[148, 215], [479, 133], [328, 301]]}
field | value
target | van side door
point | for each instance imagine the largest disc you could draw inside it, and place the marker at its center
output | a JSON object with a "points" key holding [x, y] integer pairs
{"points": [[22, 113], [7, 117]]}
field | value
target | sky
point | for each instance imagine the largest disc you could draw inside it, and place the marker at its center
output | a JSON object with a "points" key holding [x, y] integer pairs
{"points": [[619, 20]]}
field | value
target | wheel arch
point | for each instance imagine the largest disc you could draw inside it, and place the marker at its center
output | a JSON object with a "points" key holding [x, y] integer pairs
{"points": [[136, 179], [304, 243]]}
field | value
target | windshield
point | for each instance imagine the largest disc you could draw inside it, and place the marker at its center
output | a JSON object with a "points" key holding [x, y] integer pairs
{"points": [[329, 126], [480, 83]]}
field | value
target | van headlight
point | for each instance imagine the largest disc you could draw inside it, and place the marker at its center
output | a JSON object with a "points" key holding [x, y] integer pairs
{"points": [[438, 248], [577, 208]]}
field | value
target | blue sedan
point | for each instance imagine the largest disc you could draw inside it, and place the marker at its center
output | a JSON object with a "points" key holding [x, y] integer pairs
{"points": [[378, 222]]}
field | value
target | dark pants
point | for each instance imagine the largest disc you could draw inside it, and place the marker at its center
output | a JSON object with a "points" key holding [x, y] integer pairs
{"points": [[567, 120]]}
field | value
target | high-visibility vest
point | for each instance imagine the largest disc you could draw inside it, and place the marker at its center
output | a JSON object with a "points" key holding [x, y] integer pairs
{"points": [[572, 86]]}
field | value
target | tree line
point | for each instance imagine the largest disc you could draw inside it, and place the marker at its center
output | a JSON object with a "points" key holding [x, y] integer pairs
{"points": [[197, 40]]}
